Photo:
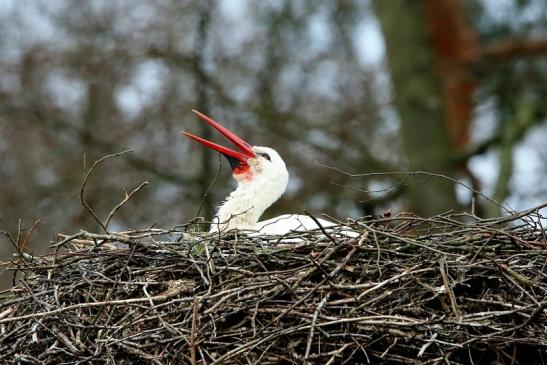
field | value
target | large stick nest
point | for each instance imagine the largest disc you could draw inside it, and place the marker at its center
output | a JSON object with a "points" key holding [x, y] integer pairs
{"points": [[407, 290]]}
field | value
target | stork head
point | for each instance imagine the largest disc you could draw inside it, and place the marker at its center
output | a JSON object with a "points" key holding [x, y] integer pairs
{"points": [[253, 165]]}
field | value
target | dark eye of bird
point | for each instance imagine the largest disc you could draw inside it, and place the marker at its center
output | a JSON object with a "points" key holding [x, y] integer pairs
{"points": [[265, 155]]}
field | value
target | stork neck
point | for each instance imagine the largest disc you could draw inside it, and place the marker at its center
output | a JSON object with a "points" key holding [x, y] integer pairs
{"points": [[244, 206]]}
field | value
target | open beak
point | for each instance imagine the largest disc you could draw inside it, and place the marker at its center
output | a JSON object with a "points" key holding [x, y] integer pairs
{"points": [[237, 159]]}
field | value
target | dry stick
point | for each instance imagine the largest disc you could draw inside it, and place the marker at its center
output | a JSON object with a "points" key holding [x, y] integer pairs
{"points": [[321, 227], [210, 185], [337, 353], [366, 320], [102, 237], [511, 274], [515, 216], [33, 296], [193, 331], [82, 189], [159, 298], [24, 243], [379, 254], [412, 173], [11, 241], [402, 239], [124, 200], [448, 288], [330, 353], [540, 308], [64, 339], [6, 313], [480, 249], [330, 251], [390, 280], [66, 240], [112, 289], [518, 277], [294, 305], [231, 293], [348, 257], [19, 230], [313, 321], [510, 278], [389, 348], [20, 255]]}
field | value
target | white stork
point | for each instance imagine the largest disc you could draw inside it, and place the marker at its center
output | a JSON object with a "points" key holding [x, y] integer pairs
{"points": [[262, 178]]}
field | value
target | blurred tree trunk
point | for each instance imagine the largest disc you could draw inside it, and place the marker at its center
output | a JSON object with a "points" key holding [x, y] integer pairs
{"points": [[419, 100], [99, 112]]}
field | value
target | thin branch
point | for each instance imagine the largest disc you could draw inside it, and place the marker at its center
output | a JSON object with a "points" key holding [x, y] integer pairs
{"points": [[124, 200], [82, 189], [320, 226], [413, 173], [24, 242]]}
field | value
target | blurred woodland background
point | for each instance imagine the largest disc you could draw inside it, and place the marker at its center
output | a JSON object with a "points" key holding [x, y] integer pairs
{"points": [[451, 87]]}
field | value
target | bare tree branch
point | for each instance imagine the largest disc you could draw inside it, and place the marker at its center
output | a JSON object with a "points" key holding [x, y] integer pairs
{"points": [[124, 200], [82, 189]]}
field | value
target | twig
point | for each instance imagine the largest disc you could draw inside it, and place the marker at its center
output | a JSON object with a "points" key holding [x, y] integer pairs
{"points": [[82, 189], [448, 288], [413, 173], [194, 331], [157, 298], [24, 242], [124, 200], [320, 227], [312, 328]]}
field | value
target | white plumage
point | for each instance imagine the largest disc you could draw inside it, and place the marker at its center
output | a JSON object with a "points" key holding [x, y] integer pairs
{"points": [[262, 178]]}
